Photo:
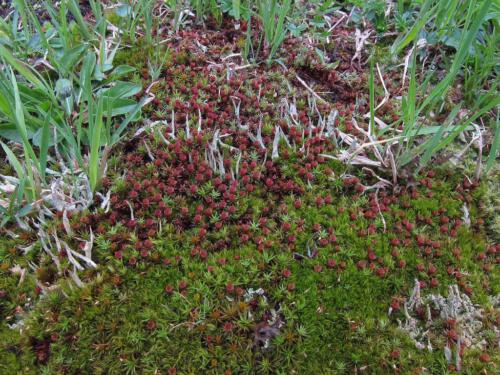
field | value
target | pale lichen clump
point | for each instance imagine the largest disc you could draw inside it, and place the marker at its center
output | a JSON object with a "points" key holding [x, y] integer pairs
{"points": [[424, 314]]}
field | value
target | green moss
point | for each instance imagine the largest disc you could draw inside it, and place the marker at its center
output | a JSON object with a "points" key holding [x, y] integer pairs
{"points": [[334, 320], [134, 56]]}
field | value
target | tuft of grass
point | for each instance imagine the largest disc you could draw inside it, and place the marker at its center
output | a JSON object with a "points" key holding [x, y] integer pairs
{"points": [[414, 110], [272, 14], [37, 113]]}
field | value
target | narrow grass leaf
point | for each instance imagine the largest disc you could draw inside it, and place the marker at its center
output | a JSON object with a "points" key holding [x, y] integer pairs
{"points": [[95, 145], [425, 13], [13, 160], [44, 148], [372, 98], [461, 54], [74, 8], [494, 146], [21, 67]]}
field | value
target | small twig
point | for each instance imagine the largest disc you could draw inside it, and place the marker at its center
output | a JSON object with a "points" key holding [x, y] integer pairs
{"points": [[386, 92], [243, 67], [310, 89], [148, 150], [479, 138]]}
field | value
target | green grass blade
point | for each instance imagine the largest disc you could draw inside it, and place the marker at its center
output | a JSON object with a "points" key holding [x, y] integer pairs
{"points": [[21, 6], [425, 14], [248, 39], [74, 8], [280, 30], [371, 126], [97, 10], [19, 117], [409, 106], [460, 56], [431, 145], [129, 118], [95, 145], [44, 148], [89, 62], [236, 9], [13, 160], [21, 67], [411, 99], [460, 128], [494, 146]]}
